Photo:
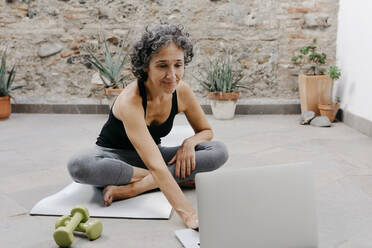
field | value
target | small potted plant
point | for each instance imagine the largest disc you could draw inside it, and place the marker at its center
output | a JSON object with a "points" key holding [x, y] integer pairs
{"points": [[111, 70], [222, 84], [6, 81], [330, 110], [315, 86]]}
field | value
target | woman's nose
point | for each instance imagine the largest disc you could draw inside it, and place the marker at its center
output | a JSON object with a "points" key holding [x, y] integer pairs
{"points": [[171, 73]]}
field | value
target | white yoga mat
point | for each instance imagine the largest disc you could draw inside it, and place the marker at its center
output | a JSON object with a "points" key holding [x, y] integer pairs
{"points": [[177, 135], [189, 238], [152, 205]]}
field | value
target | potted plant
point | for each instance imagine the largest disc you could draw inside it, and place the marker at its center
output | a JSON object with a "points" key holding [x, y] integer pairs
{"points": [[330, 110], [222, 84], [315, 86], [111, 70], [6, 87]]}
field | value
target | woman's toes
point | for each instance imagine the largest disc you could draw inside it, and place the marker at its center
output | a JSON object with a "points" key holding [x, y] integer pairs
{"points": [[114, 193], [108, 201], [108, 194]]}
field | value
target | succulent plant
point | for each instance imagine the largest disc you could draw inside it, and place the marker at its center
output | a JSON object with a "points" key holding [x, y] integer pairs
{"points": [[219, 76], [6, 78], [110, 71]]}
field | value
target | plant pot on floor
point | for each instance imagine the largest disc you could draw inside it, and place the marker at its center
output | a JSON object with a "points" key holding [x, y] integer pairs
{"points": [[5, 107], [223, 104], [314, 90], [329, 110]]}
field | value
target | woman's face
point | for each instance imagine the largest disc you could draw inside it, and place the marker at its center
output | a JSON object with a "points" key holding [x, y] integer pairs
{"points": [[166, 68]]}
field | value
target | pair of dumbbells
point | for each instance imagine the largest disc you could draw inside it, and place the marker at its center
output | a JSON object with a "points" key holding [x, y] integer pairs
{"points": [[66, 225]]}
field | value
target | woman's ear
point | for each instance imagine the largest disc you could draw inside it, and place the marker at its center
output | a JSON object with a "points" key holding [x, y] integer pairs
{"points": [[146, 69]]}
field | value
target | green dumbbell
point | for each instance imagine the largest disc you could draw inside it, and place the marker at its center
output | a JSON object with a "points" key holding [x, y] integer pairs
{"points": [[63, 236], [92, 229]]}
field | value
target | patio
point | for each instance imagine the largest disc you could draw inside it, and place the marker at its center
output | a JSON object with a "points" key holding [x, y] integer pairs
{"points": [[35, 148]]}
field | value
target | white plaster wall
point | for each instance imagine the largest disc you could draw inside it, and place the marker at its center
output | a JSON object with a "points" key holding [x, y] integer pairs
{"points": [[354, 57]]}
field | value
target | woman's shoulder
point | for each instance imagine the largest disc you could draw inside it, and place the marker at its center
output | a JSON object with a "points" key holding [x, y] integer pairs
{"points": [[128, 99], [129, 95], [185, 95]]}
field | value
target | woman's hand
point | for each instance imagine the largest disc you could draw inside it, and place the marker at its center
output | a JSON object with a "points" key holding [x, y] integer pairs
{"points": [[191, 221], [185, 160]]}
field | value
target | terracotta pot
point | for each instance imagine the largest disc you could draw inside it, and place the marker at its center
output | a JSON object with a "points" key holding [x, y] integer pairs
{"points": [[233, 96], [314, 90], [5, 107], [223, 104], [329, 110], [113, 92]]}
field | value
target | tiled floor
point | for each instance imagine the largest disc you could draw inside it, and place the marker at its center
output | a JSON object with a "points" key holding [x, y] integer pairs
{"points": [[34, 149]]}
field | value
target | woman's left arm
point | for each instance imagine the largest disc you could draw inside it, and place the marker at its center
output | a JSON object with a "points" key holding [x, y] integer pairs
{"points": [[185, 156]]}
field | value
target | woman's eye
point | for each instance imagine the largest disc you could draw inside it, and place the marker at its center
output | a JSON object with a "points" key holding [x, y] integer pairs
{"points": [[165, 66]]}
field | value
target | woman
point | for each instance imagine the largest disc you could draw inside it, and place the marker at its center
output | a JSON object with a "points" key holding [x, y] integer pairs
{"points": [[128, 158]]}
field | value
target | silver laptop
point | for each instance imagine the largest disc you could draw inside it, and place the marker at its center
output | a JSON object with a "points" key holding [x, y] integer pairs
{"points": [[256, 207]]}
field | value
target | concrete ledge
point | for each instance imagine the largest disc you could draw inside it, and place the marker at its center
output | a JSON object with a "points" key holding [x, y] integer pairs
{"points": [[359, 123], [61, 108], [245, 109], [262, 109]]}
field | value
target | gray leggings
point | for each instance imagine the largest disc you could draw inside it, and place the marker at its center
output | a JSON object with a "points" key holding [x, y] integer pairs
{"points": [[101, 166]]}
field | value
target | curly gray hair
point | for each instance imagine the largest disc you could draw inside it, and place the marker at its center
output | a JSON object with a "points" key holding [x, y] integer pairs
{"points": [[152, 40]]}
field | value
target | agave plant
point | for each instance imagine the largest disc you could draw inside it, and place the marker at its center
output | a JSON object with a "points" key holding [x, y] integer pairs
{"points": [[6, 82], [110, 71], [220, 77]]}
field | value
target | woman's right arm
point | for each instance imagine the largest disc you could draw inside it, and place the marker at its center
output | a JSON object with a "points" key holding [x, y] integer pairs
{"points": [[132, 116]]}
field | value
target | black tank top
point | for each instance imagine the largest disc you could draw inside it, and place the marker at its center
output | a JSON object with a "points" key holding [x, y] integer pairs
{"points": [[113, 133]]}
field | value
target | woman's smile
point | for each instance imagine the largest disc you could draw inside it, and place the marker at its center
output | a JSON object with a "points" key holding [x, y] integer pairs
{"points": [[169, 83]]}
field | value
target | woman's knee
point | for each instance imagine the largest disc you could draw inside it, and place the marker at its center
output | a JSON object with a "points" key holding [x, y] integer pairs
{"points": [[216, 155], [221, 153], [78, 167]]}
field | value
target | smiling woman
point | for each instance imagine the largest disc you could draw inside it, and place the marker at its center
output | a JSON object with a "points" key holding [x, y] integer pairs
{"points": [[128, 158]]}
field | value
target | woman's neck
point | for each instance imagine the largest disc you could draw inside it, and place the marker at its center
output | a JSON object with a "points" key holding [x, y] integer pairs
{"points": [[154, 93]]}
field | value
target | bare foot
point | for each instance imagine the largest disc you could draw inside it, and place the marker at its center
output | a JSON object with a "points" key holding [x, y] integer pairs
{"points": [[113, 193]]}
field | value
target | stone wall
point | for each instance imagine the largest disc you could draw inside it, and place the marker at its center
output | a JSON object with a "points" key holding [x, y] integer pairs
{"points": [[262, 36]]}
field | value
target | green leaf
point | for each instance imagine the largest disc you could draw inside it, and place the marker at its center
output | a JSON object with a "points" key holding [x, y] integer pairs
{"points": [[205, 86], [108, 58], [17, 87], [104, 82], [304, 50], [11, 77], [111, 69], [334, 72], [2, 74]]}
